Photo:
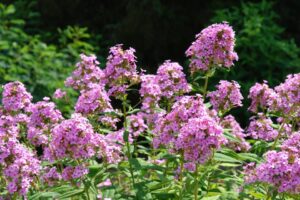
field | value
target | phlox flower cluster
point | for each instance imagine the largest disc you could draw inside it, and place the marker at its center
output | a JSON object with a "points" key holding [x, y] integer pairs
{"points": [[58, 94], [284, 99], [261, 128], [262, 97], [279, 170], [8, 127], [50, 176], [86, 73], [288, 102], [92, 101], [20, 166], [226, 97], [120, 72], [168, 125], [15, 97], [74, 172], [150, 92], [214, 47], [198, 138], [292, 144], [136, 124], [73, 138], [42, 118], [171, 80], [237, 132], [189, 128]]}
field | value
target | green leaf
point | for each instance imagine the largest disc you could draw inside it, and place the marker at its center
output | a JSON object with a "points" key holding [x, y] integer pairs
{"points": [[225, 158], [41, 195], [72, 193]]}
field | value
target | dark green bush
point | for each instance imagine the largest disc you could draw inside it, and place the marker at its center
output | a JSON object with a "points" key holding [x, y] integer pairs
{"points": [[41, 66]]}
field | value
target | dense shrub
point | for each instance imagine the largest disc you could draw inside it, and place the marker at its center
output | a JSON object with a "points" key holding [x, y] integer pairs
{"points": [[42, 67], [179, 141]]}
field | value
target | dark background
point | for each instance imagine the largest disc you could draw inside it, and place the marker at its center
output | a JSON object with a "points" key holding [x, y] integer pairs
{"points": [[158, 29]]}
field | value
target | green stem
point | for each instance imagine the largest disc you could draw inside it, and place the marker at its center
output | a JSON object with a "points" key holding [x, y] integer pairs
{"points": [[278, 136], [129, 156], [181, 176], [205, 87], [196, 183], [268, 194], [87, 193]]}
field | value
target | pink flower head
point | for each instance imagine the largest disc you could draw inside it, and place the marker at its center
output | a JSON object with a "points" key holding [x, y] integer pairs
{"points": [[237, 132], [289, 96], [15, 97], [93, 101], [150, 92], [214, 47], [292, 145], [19, 167], [58, 94], [226, 97], [71, 172], [278, 170], [73, 138], [261, 128], [168, 126], [120, 71], [198, 137], [43, 117], [86, 73], [261, 97], [136, 124], [171, 80]]}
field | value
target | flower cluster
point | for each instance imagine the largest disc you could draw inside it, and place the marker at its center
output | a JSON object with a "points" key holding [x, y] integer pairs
{"points": [[171, 80], [43, 117], [50, 176], [120, 72], [278, 170], [150, 92], [73, 138], [8, 128], [19, 165], [92, 101], [289, 96], [136, 124], [284, 99], [86, 73], [168, 126], [240, 144], [74, 172], [189, 128], [198, 138], [214, 47], [226, 97], [292, 145], [261, 97], [58, 94], [261, 128], [15, 97]]}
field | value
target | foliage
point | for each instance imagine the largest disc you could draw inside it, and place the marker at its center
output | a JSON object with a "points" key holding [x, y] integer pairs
{"points": [[41, 66]]}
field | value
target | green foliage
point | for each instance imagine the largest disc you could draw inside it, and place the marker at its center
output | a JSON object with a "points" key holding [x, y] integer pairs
{"points": [[41, 66]]}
